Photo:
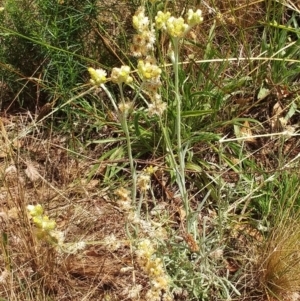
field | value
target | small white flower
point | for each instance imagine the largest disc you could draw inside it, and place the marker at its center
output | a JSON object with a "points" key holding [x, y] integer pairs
{"points": [[216, 254], [73, 248], [133, 217], [147, 228], [140, 21], [112, 243], [157, 108], [153, 295]]}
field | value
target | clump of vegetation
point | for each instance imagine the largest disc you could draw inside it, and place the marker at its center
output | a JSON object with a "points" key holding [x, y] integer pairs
{"points": [[279, 261], [169, 155]]}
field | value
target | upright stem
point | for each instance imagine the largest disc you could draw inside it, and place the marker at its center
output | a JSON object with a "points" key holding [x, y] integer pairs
{"points": [[123, 119], [180, 151], [178, 99]]}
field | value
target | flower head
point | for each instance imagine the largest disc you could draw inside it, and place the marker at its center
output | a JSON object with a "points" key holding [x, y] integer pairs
{"points": [[145, 249], [121, 75], [157, 107], [151, 86], [35, 210], [144, 40], [148, 70], [147, 39], [111, 242], [125, 201], [123, 193], [140, 21], [150, 170], [133, 293], [138, 50], [98, 76], [194, 18], [176, 27], [153, 266], [44, 223], [143, 182], [161, 19]]}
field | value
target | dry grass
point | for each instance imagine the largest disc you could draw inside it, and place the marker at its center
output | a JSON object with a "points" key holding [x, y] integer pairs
{"points": [[281, 261], [32, 268]]}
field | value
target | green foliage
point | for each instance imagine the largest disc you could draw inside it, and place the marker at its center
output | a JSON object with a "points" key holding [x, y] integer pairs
{"points": [[45, 47], [197, 266]]}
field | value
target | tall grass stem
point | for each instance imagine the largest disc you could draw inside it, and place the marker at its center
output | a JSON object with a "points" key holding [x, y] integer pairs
{"points": [[180, 151]]}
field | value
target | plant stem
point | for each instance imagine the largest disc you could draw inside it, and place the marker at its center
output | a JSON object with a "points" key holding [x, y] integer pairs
{"points": [[180, 151], [123, 119]]}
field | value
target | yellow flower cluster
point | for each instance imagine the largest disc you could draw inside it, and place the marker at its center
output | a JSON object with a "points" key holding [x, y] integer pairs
{"points": [[194, 18], [121, 75], [42, 222], [154, 268], [161, 19], [150, 170], [144, 178], [124, 200], [45, 230], [148, 69], [143, 182], [118, 75], [142, 46], [176, 27], [98, 76]]}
